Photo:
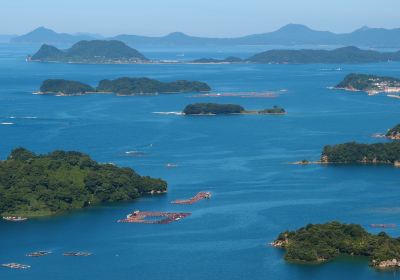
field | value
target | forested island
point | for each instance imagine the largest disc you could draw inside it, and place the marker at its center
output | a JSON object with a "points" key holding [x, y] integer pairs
{"points": [[230, 59], [122, 86], [307, 56], [324, 242], [92, 52], [134, 86], [66, 87], [226, 109], [385, 153], [39, 185], [394, 133], [369, 83]]}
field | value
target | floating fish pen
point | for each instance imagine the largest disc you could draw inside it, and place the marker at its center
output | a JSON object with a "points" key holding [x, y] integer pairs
{"points": [[16, 266], [38, 254], [77, 254], [153, 217], [15, 219], [383, 225], [197, 198]]}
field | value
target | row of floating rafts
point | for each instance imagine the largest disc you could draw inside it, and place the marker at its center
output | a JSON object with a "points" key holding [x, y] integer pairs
{"points": [[164, 217], [77, 254], [38, 254], [383, 225], [41, 254]]}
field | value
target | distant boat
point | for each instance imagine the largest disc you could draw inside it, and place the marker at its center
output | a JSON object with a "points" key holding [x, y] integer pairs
{"points": [[171, 165]]}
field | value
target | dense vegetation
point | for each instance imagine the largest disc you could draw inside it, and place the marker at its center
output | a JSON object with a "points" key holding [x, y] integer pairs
{"points": [[362, 153], [367, 82], [323, 242], [341, 55], [394, 132], [212, 109], [95, 51], [129, 86], [123, 86], [65, 87], [273, 110], [32, 185], [221, 109]]}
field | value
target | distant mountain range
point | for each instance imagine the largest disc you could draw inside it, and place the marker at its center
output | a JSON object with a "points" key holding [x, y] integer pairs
{"points": [[5, 38], [43, 35], [292, 34]]}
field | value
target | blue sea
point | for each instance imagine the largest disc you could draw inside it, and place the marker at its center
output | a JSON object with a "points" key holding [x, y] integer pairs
{"points": [[243, 160]]}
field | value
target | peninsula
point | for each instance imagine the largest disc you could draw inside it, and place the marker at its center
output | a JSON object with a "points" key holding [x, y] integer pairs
{"points": [[370, 83], [122, 86], [384, 153], [227, 109], [348, 55], [40, 185], [90, 52], [320, 243]]}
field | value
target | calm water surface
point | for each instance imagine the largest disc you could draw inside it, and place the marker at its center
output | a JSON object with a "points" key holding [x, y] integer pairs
{"points": [[242, 160]]}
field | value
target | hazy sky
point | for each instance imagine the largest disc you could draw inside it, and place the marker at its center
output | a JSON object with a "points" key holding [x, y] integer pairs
{"points": [[196, 17]]}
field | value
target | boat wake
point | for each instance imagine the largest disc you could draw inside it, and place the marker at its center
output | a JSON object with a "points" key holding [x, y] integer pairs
{"points": [[134, 153], [268, 94]]}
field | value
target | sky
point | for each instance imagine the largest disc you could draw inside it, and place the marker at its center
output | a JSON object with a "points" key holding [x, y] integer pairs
{"points": [[212, 18]]}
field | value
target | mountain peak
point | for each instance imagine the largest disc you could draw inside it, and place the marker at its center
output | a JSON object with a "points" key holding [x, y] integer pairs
{"points": [[177, 35], [42, 29], [363, 28], [294, 28]]}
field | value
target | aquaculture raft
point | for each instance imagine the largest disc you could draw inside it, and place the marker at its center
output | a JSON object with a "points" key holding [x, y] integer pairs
{"points": [[16, 266], [197, 198], [15, 219], [383, 225], [38, 254], [155, 217], [77, 254]]}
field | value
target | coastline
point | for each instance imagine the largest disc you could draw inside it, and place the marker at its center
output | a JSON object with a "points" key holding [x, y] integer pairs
{"points": [[369, 92], [395, 164], [238, 114]]}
